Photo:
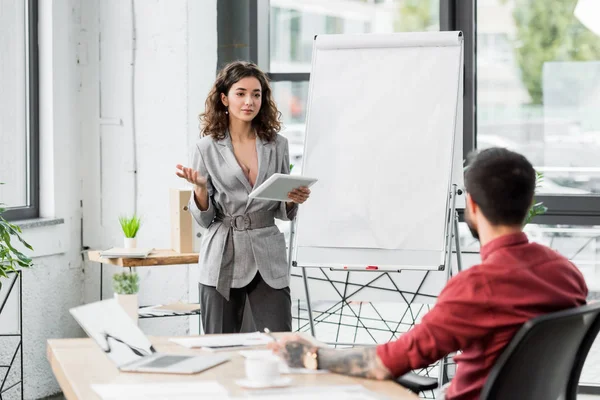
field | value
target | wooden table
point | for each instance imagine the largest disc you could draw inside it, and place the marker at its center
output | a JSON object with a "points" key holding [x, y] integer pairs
{"points": [[157, 257], [79, 363]]}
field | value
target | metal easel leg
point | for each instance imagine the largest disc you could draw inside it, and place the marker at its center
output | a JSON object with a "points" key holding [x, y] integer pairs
{"points": [[304, 278], [308, 306], [452, 231], [101, 269], [457, 244]]}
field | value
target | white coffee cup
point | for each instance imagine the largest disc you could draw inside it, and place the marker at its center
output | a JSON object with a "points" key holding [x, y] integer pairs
{"points": [[262, 369]]}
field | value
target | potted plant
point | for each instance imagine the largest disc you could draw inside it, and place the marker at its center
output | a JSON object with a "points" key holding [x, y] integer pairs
{"points": [[11, 258], [536, 208], [126, 286], [130, 227]]}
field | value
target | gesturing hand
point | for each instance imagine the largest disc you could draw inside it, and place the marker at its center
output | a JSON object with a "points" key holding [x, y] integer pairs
{"points": [[192, 176]]}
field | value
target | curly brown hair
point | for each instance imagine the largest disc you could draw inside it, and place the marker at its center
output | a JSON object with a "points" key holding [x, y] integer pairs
{"points": [[215, 121]]}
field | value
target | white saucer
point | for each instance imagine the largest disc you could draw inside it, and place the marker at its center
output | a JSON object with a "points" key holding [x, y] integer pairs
{"points": [[249, 384]]}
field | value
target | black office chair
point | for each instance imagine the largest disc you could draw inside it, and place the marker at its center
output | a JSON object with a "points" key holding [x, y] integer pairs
{"points": [[417, 383], [543, 360]]}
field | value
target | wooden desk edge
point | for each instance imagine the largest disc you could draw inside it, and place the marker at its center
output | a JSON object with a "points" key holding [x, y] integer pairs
{"points": [[59, 373]]}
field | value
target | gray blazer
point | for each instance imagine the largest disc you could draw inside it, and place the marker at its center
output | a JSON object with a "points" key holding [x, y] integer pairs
{"points": [[262, 249]]}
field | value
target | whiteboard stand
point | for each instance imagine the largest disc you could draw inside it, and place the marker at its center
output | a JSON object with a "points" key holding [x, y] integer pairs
{"points": [[360, 235], [443, 363], [304, 277], [453, 232]]}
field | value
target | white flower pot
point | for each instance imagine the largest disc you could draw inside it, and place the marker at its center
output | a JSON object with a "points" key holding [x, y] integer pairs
{"points": [[130, 243], [129, 302]]}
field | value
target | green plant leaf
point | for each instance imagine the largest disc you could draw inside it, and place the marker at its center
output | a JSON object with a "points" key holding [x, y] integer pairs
{"points": [[130, 226], [126, 283], [537, 208], [10, 257]]}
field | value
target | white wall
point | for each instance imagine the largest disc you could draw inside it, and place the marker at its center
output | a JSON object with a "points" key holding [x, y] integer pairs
{"points": [[175, 64]]}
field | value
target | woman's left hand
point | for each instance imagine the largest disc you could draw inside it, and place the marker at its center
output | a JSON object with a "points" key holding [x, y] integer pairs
{"points": [[299, 195]]}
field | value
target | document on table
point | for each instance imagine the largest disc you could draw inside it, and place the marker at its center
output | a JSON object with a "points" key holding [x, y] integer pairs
{"points": [[224, 342], [283, 367], [327, 392], [176, 390]]}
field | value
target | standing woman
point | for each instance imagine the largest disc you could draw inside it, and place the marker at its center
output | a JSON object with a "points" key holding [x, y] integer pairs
{"points": [[243, 253]]}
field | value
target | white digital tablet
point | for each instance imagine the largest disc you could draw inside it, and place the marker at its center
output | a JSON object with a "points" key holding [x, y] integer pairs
{"points": [[278, 186]]}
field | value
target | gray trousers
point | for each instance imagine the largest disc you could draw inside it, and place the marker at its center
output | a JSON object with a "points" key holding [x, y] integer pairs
{"points": [[268, 308]]}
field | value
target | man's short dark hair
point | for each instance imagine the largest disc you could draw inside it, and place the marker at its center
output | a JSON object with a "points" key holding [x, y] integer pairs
{"points": [[502, 183]]}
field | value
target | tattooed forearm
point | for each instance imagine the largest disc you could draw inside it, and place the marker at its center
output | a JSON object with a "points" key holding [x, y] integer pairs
{"points": [[362, 361]]}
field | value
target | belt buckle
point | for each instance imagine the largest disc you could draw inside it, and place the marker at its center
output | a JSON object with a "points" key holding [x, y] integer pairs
{"points": [[240, 222]]}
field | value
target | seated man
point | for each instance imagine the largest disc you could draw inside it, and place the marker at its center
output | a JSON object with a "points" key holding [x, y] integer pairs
{"points": [[481, 308]]}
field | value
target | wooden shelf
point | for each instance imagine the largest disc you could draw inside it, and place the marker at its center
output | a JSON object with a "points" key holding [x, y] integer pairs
{"points": [[156, 258]]}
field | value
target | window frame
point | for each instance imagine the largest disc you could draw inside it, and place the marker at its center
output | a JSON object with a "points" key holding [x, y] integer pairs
{"points": [[32, 209]]}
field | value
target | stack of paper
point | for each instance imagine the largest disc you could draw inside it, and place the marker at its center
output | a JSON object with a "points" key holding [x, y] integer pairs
{"points": [[175, 390], [224, 342]]}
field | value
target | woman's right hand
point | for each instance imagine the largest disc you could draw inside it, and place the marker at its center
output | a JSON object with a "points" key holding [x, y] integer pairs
{"points": [[192, 176]]}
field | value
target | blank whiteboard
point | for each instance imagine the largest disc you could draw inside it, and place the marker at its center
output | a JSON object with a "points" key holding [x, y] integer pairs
{"points": [[380, 134]]}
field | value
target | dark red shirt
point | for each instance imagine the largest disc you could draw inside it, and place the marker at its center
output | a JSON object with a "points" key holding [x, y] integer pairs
{"points": [[481, 308]]}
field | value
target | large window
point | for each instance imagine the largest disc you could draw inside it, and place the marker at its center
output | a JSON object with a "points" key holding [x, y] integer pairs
{"points": [[538, 93], [18, 108]]}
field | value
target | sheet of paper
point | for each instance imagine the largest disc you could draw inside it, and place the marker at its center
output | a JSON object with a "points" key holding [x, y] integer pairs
{"points": [[176, 390], [283, 367], [224, 342], [328, 392]]}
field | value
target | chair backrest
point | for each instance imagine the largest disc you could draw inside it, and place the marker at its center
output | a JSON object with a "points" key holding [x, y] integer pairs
{"points": [[545, 357]]}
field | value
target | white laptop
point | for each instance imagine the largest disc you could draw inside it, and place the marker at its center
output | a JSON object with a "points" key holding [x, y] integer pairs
{"points": [[126, 345]]}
